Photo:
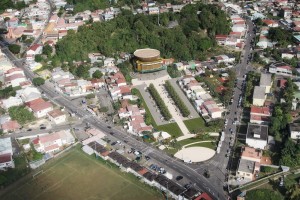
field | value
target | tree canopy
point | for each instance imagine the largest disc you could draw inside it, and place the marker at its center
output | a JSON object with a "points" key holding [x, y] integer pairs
{"points": [[128, 32], [97, 74], [281, 36], [14, 48], [21, 114], [38, 81]]}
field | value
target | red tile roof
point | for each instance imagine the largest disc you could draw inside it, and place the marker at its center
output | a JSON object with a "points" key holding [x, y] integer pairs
{"points": [[4, 158], [261, 110], [203, 196], [38, 104], [35, 47], [11, 126]]}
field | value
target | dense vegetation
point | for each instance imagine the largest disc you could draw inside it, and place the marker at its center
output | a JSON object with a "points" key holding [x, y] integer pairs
{"points": [[8, 92], [281, 36], [264, 194], [177, 100], [82, 5], [251, 81], [38, 81], [21, 114], [190, 40], [7, 4], [159, 102]]}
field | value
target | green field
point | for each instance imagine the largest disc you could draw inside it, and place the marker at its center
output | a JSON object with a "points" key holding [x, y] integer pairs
{"points": [[211, 145], [79, 176], [198, 125]]}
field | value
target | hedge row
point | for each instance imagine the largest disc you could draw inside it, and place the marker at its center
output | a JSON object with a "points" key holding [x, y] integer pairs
{"points": [[159, 102], [177, 100]]}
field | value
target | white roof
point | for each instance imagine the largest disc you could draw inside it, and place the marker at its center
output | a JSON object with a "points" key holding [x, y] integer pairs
{"points": [[162, 134], [5, 145]]}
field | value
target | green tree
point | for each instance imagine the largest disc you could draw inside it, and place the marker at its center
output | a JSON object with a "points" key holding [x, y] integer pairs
{"points": [[294, 192], [38, 81], [97, 74], [47, 50], [38, 58], [21, 114], [82, 71], [14, 48]]}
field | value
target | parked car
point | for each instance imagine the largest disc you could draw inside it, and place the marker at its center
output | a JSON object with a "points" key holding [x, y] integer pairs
{"points": [[43, 127], [178, 178], [29, 129]]}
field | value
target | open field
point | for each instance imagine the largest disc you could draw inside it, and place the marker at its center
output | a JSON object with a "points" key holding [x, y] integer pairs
{"points": [[79, 176]]}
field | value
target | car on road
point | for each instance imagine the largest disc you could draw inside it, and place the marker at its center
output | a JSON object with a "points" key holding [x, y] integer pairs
{"points": [[108, 126], [113, 143], [42, 127], [178, 178], [29, 129]]}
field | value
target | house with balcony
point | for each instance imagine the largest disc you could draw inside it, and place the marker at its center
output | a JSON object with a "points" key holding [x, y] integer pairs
{"points": [[257, 136]]}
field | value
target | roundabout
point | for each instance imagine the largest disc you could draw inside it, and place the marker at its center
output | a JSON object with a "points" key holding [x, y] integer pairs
{"points": [[195, 154]]}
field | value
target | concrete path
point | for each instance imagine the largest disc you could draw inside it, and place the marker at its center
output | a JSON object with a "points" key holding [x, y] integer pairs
{"points": [[185, 137], [195, 154]]}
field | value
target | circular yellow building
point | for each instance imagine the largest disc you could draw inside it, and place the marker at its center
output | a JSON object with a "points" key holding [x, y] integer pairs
{"points": [[148, 60]]}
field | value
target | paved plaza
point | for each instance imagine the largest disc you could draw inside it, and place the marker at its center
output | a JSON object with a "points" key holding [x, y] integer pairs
{"points": [[195, 154], [158, 79]]}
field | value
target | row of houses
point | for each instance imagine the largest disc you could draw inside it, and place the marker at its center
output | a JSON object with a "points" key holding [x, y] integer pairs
{"points": [[66, 83], [32, 23], [235, 39], [147, 176], [203, 101]]}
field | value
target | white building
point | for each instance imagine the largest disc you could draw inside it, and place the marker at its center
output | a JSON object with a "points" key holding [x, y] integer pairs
{"points": [[57, 116], [29, 94], [11, 101], [6, 153], [259, 96], [53, 142], [295, 131], [257, 136]]}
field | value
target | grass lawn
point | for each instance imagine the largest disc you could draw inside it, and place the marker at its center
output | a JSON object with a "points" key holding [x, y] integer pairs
{"points": [[79, 176], [264, 194], [11, 175], [173, 129], [211, 145], [198, 125]]}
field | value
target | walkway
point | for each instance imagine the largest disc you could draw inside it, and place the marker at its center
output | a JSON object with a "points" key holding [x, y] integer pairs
{"points": [[158, 79]]}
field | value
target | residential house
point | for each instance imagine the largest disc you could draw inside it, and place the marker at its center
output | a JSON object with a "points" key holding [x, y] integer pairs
{"points": [[260, 115], [266, 81], [257, 136], [15, 80], [213, 109], [280, 68], [294, 129], [53, 142], [57, 116], [247, 169], [10, 102], [10, 126], [259, 96], [29, 94], [39, 107], [6, 153], [35, 49], [137, 125]]}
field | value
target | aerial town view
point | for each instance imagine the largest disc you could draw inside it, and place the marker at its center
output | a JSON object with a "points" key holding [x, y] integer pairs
{"points": [[149, 100]]}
